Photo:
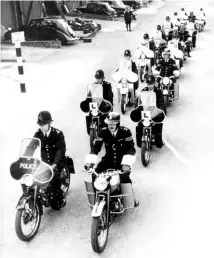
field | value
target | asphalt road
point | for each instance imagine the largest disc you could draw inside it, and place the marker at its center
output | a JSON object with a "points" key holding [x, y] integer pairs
{"points": [[175, 216]]}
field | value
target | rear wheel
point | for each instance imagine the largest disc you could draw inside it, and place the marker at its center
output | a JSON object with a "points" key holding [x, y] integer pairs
{"points": [[145, 152], [27, 221], [123, 104], [99, 232], [65, 181]]}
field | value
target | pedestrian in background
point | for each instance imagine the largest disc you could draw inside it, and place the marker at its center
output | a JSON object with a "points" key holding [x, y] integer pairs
{"points": [[128, 18]]}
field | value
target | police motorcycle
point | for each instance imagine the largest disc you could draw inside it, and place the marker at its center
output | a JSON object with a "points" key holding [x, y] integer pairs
{"points": [[148, 115], [144, 56], [108, 198], [176, 53], [170, 91], [192, 32], [97, 109], [125, 87], [34, 176], [159, 50], [199, 24]]}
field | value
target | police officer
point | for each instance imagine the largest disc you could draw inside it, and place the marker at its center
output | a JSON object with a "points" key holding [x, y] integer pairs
{"points": [[183, 36], [53, 150], [127, 55], [100, 88], [118, 142], [157, 128], [166, 66]]}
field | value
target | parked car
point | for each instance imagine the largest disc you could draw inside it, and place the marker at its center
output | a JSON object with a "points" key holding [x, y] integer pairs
{"points": [[48, 29], [120, 9], [134, 4], [98, 8]]}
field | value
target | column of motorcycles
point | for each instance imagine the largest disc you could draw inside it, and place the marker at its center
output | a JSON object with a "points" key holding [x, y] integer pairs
{"points": [[107, 196]]}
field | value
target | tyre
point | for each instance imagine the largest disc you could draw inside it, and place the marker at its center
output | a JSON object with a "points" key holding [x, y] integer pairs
{"points": [[165, 100], [24, 217], [142, 74], [65, 181], [99, 232], [145, 153], [92, 135], [123, 104]]}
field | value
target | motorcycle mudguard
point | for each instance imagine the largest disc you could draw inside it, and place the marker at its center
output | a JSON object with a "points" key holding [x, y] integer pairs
{"points": [[90, 193], [21, 203], [97, 209], [128, 196], [124, 91], [165, 92]]}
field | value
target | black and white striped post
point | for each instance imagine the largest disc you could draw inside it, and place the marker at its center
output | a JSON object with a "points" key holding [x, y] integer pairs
{"points": [[17, 38]]}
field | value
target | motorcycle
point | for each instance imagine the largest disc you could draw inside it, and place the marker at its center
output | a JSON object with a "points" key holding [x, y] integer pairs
{"points": [[169, 94], [184, 45], [108, 198], [176, 54], [97, 108], [199, 25], [126, 94], [34, 176], [167, 33], [147, 114]]}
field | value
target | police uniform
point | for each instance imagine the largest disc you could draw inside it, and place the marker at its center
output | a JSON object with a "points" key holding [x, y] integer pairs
{"points": [[166, 68], [116, 147], [53, 147], [183, 36]]}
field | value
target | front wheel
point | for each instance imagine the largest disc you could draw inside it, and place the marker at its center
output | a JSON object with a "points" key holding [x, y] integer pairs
{"points": [[142, 75], [99, 232], [123, 104], [92, 134], [29, 216], [165, 100], [145, 153]]}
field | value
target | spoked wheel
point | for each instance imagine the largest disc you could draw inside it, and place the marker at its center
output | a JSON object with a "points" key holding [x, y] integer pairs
{"points": [[165, 100], [99, 232], [27, 221], [123, 104], [92, 137], [65, 181], [145, 152]]}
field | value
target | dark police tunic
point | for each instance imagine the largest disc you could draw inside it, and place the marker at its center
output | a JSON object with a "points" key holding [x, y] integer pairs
{"points": [[166, 68], [53, 146], [116, 147]]}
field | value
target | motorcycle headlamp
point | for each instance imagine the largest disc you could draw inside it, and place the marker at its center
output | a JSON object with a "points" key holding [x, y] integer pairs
{"points": [[94, 113], [124, 81], [27, 180], [165, 80], [100, 183]]}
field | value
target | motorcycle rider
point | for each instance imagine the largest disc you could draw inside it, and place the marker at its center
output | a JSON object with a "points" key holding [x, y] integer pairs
{"points": [[183, 14], [191, 17], [201, 15], [157, 128], [158, 34], [147, 47], [183, 36], [166, 66], [53, 150], [127, 56], [100, 89], [167, 25], [118, 142]]}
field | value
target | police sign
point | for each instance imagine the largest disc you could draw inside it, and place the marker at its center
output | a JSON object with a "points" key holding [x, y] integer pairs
{"points": [[18, 36]]}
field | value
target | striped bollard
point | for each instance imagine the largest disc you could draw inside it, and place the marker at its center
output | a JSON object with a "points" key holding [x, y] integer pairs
{"points": [[17, 38], [20, 66]]}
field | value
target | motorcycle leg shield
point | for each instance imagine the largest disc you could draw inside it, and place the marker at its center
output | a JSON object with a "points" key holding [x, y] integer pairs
{"points": [[90, 193], [176, 91], [128, 196]]}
